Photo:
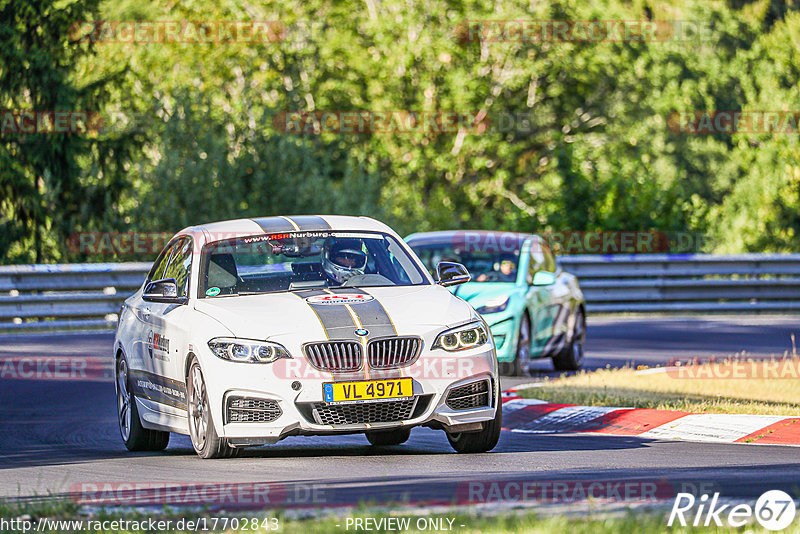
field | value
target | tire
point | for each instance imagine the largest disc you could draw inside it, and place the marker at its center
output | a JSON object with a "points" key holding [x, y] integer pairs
{"points": [[134, 435], [205, 440], [386, 438], [518, 366], [483, 441], [571, 358]]}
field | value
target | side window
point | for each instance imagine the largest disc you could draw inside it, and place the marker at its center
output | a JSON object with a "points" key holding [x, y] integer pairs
{"points": [[549, 259], [408, 272], [160, 265], [180, 266], [537, 260]]}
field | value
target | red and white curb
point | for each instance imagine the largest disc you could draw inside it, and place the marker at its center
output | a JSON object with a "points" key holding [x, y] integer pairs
{"points": [[533, 416]]}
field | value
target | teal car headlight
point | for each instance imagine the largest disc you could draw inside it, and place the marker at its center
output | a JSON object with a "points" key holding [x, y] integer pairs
{"points": [[247, 350], [495, 305], [462, 338]]}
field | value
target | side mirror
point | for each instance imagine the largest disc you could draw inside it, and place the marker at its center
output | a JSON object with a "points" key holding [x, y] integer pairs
{"points": [[451, 274], [544, 278], [165, 290]]}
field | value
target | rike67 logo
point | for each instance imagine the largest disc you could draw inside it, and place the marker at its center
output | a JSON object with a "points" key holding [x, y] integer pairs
{"points": [[774, 510]]}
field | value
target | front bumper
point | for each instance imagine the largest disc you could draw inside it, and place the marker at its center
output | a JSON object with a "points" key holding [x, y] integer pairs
{"points": [[504, 327], [295, 388]]}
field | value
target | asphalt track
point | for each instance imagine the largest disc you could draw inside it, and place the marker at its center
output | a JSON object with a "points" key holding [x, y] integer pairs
{"points": [[61, 437]]}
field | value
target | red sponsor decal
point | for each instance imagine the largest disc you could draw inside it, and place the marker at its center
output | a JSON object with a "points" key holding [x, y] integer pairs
{"points": [[340, 299]]}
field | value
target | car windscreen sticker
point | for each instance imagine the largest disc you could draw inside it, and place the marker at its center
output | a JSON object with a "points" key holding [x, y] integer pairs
{"points": [[212, 291], [159, 389], [297, 235]]}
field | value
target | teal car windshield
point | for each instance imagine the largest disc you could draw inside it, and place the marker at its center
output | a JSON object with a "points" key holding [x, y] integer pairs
{"points": [[485, 264]]}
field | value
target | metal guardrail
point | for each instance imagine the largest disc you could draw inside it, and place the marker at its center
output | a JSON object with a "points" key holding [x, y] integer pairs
{"points": [[754, 283], [42, 297], [51, 297]]}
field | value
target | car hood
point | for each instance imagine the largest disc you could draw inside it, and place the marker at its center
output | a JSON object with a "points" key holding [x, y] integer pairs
{"points": [[479, 293], [411, 309]]}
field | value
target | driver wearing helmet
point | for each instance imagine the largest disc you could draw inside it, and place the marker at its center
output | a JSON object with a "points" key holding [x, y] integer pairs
{"points": [[343, 258]]}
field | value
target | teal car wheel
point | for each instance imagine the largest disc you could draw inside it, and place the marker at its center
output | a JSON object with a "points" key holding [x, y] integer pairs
{"points": [[571, 358], [519, 365]]}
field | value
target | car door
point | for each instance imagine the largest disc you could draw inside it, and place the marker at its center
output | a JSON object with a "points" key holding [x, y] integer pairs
{"points": [[169, 321], [165, 331], [549, 304], [142, 310], [560, 303], [538, 301]]}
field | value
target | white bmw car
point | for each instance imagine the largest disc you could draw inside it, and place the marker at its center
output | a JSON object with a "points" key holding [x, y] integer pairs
{"points": [[249, 331]]}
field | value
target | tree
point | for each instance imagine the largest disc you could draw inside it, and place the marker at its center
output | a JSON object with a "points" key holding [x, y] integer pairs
{"points": [[53, 184]]}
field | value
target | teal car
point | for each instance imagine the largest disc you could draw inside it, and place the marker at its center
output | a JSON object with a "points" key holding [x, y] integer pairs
{"points": [[534, 308]]}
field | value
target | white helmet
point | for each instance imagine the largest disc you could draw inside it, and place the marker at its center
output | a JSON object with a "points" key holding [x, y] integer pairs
{"points": [[343, 258]]}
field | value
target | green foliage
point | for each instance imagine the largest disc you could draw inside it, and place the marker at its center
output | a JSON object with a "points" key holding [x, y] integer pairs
{"points": [[577, 135], [53, 184]]}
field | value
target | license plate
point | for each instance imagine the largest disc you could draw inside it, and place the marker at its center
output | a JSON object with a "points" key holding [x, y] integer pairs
{"points": [[367, 390]]}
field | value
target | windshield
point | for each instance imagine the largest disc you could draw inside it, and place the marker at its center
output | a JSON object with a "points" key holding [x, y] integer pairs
{"points": [[305, 260], [485, 264]]}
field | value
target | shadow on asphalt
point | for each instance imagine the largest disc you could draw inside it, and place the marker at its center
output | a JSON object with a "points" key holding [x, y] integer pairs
{"points": [[423, 442]]}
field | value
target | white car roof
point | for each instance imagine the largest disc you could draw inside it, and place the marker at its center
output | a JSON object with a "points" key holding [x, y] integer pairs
{"points": [[220, 230]]}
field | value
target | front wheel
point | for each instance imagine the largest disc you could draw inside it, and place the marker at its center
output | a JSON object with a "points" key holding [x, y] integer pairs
{"points": [[571, 358], [205, 440], [134, 435], [483, 441], [385, 438]]}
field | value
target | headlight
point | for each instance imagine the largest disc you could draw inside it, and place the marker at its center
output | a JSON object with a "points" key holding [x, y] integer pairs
{"points": [[247, 350], [462, 338], [495, 305]]}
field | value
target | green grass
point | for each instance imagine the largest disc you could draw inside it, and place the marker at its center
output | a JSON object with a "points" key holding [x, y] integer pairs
{"points": [[510, 521]]}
